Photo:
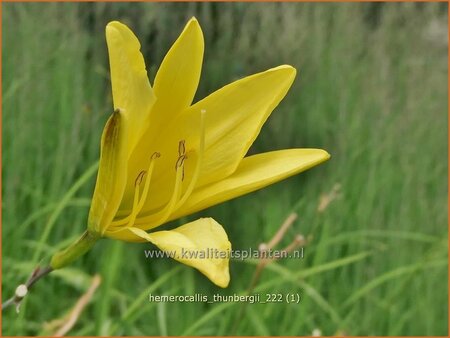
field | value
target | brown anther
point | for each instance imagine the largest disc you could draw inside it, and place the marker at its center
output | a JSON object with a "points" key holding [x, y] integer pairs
{"points": [[155, 155], [180, 161], [117, 111], [181, 148], [139, 178]]}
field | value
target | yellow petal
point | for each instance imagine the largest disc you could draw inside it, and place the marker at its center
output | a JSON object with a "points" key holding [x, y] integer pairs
{"points": [[234, 117], [131, 88], [202, 244], [175, 86], [111, 176], [178, 76], [253, 173]]}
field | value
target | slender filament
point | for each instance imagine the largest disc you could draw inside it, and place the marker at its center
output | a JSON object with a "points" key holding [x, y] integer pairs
{"points": [[139, 200], [198, 165]]}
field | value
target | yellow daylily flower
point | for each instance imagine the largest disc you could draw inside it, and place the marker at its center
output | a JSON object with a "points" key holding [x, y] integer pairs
{"points": [[163, 157]]}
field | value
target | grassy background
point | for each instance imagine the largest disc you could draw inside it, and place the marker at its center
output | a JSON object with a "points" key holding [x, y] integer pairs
{"points": [[372, 90]]}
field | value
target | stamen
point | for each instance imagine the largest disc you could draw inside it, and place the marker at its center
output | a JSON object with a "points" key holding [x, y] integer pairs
{"points": [[137, 184], [180, 164], [180, 161], [175, 201], [147, 182], [164, 214], [139, 178], [198, 165], [138, 201], [182, 148]]}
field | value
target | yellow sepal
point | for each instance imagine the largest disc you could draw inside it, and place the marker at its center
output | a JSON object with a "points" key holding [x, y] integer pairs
{"points": [[111, 176]]}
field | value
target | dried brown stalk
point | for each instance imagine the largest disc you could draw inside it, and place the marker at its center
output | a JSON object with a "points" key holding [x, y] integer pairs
{"points": [[67, 322], [298, 241]]}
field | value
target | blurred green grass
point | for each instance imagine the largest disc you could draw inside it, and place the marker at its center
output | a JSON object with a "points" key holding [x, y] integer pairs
{"points": [[372, 90]]}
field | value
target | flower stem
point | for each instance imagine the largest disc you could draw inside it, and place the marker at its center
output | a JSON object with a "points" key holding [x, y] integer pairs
{"points": [[22, 289], [59, 260], [77, 249]]}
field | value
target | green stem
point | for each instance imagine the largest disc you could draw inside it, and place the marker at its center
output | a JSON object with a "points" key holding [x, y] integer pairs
{"points": [[77, 249]]}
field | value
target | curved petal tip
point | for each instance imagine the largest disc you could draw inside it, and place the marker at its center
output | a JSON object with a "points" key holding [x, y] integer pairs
{"points": [[288, 69]]}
